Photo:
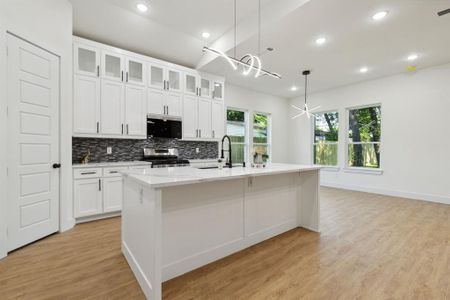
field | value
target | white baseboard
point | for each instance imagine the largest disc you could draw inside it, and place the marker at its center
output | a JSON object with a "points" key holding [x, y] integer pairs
{"points": [[402, 194], [98, 217]]}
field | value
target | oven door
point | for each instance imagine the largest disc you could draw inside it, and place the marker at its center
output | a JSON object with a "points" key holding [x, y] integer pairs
{"points": [[164, 128]]}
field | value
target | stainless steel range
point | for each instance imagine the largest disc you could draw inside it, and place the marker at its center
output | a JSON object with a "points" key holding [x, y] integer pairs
{"points": [[163, 158]]}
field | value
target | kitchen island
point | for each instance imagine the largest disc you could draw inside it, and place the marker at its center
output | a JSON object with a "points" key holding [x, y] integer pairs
{"points": [[175, 220]]}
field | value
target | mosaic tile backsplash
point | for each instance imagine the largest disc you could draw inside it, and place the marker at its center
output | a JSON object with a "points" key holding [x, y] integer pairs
{"points": [[130, 150]]}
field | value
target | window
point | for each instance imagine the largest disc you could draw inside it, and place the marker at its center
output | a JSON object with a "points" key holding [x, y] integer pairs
{"points": [[326, 132], [364, 133], [261, 136], [237, 130]]}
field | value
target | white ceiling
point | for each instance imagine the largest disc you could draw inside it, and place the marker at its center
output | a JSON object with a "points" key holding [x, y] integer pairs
{"points": [[171, 30]]}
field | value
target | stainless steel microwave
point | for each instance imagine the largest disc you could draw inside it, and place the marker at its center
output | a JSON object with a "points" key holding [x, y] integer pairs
{"points": [[164, 127]]}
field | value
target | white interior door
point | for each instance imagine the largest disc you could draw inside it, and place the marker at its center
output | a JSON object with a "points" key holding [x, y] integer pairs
{"points": [[33, 143]]}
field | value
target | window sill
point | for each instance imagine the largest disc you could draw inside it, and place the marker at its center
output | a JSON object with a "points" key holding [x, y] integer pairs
{"points": [[328, 168], [364, 171]]}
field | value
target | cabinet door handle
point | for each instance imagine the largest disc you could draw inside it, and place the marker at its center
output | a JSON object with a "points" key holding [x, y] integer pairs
{"points": [[167, 108], [122, 128], [113, 172], [164, 85], [213, 133], [99, 184], [196, 132], [128, 131], [122, 76], [168, 84], [98, 71], [200, 132], [127, 76], [98, 127]]}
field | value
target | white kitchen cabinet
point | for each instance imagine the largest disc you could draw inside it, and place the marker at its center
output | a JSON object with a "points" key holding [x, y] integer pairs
{"points": [[98, 190], [190, 84], [112, 66], [87, 197], [218, 90], [173, 80], [217, 119], [86, 60], [86, 105], [204, 118], [205, 89], [135, 71], [112, 108], [190, 117], [135, 107], [156, 75], [112, 194], [160, 102]]}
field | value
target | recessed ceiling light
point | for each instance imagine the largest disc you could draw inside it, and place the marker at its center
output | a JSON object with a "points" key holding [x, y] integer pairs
{"points": [[205, 35], [294, 88], [413, 57], [363, 70], [142, 7], [379, 15], [321, 41]]}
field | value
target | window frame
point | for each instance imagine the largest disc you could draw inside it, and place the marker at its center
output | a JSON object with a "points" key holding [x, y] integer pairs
{"points": [[368, 170], [247, 130], [313, 139], [269, 135]]}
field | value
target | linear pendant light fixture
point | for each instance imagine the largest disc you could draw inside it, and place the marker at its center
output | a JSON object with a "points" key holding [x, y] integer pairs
{"points": [[249, 62], [306, 110]]}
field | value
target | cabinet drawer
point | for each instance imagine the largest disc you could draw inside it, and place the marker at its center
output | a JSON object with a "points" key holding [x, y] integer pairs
{"points": [[113, 171], [87, 173]]}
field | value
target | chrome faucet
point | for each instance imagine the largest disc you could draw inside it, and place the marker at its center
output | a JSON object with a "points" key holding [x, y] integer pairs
{"points": [[229, 163]]}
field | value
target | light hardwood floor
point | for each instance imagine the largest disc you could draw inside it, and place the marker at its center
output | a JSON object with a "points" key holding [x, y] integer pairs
{"points": [[371, 247]]}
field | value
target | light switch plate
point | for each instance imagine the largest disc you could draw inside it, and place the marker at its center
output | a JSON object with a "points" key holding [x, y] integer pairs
{"points": [[108, 150]]}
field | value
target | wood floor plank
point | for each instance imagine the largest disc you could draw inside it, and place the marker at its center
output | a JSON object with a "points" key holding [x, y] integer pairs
{"points": [[370, 247]]}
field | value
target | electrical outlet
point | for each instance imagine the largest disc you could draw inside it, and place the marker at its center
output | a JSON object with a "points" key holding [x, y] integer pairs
{"points": [[108, 150], [197, 150]]}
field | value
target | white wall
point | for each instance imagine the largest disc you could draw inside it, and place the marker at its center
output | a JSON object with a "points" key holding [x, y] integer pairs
{"points": [[48, 24], [252, 101], [415, 149]]}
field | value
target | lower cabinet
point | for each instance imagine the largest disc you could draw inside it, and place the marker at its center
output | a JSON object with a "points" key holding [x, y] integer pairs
{"points": [[98, 191], [112, 194], [88, 197]]}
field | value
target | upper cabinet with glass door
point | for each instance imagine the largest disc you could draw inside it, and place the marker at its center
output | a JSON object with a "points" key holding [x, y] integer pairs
{"points": [[112, 66], [164, 78], [190, 84], [135, 71], [205, 87], [86, 60], [218, 90]]}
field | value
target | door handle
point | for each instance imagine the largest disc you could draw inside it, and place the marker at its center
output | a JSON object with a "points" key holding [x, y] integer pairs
{"points": [[56, 166]]}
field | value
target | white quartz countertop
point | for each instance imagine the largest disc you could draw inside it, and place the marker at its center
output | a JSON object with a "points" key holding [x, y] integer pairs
{"points": [[111, 164], [166, 177]]}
